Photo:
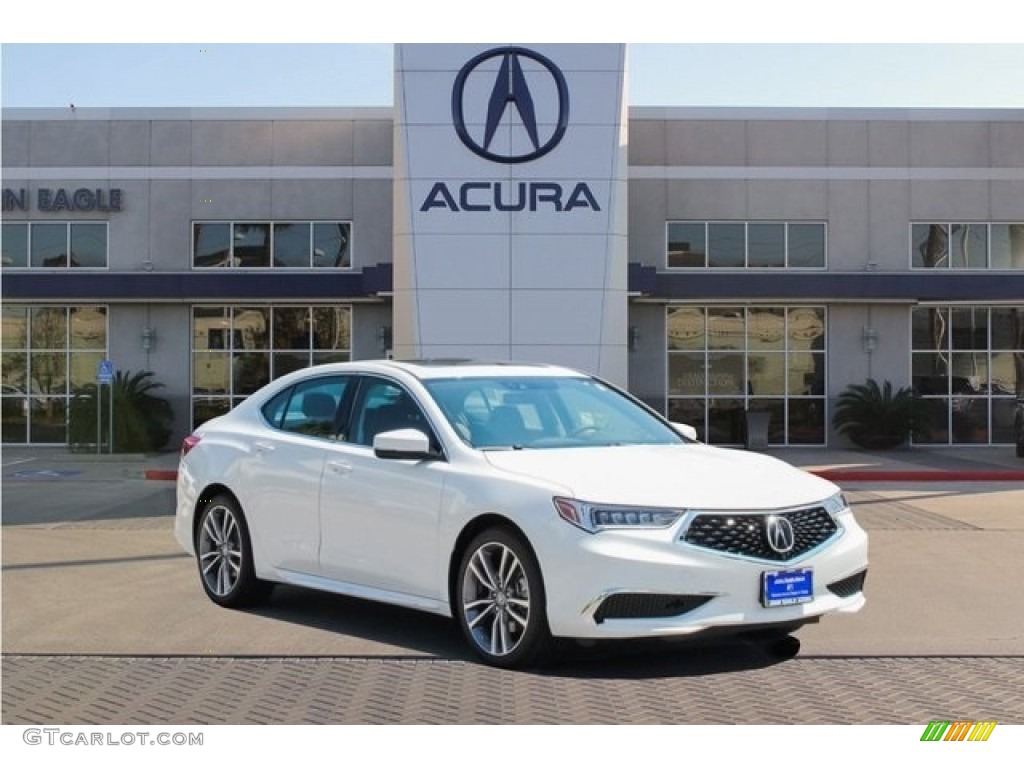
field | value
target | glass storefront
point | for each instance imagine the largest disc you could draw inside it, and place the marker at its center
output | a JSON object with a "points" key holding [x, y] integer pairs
{"points": [[238, 349], [48, 354], [967, 362], [726, 361]]}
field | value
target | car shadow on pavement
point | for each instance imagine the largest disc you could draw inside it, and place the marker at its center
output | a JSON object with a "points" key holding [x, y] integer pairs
{"points": [[647, 659], [416, 632], [410, 634]]}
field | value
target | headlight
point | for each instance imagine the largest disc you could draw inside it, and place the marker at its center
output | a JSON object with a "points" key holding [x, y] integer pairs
{"points": [[598, 517], [836, 505]]}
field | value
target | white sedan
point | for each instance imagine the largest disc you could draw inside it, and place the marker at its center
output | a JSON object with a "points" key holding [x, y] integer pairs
{"points": [[528, 502]]}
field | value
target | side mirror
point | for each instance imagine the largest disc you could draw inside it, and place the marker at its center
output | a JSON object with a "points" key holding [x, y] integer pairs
{"points": [[687, 431], [402, 444]]}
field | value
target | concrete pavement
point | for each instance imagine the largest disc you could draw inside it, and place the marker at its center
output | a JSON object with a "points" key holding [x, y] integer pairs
{"points": [[91, 572], [93, 550]]}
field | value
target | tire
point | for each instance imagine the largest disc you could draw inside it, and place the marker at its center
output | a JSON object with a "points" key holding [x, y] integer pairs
{"points": [[499, 600], [224, 556]]}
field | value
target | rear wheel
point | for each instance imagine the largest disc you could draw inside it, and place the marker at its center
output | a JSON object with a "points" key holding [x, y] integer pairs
{"points": [[499, 600], [224, 556]]}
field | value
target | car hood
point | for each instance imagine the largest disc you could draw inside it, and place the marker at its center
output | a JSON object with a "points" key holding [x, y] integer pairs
{"points": [[679, 476]]}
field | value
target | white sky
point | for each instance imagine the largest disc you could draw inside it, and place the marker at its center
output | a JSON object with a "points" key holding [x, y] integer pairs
{"points": [[898, 53]]}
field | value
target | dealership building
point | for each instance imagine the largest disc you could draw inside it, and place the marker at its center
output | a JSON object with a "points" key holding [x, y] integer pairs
{"points": [[716, 262]]}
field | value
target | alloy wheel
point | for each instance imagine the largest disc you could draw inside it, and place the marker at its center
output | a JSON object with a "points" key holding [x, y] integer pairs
{"points": [[220, 550], [496, 599]]}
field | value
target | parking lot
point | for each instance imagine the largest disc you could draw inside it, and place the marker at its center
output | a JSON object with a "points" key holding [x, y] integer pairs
{"points": [[104, 622]]}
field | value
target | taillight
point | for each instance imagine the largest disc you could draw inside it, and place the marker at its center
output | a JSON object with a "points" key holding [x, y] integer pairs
{"points": [[188, 444]]}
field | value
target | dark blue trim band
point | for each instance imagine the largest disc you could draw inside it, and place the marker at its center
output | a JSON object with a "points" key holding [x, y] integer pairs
{"points": [[186, 286], [643, 280], [824, 286]]}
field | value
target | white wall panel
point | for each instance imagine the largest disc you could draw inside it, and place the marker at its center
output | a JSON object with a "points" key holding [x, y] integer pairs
{"points": [[554, 262], [468, 317], [466, 260], [532, 311], [480, 279]]}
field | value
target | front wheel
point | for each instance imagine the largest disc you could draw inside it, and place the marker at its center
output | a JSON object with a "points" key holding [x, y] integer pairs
{"points": [[224, 555], [499, 600]]}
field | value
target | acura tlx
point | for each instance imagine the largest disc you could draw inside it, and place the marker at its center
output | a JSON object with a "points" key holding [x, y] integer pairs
{"points": [[527, 502]]}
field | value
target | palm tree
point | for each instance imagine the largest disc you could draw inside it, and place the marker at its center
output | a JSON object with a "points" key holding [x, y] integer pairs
{"points": [[142, 421], [876, 417]]}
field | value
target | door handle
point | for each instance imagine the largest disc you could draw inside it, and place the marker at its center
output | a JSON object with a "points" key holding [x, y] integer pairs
{"points": [[340, 467]]}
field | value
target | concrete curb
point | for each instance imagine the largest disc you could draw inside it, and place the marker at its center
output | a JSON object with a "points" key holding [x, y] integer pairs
{"points": [[162, 474]]}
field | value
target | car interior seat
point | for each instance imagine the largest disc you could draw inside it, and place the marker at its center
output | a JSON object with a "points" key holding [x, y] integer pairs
{"points": [[506, 426], [319, 408]]}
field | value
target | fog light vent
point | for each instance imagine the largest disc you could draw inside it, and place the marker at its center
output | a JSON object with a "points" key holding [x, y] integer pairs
{"points": [[627, 605], [849, 586]]}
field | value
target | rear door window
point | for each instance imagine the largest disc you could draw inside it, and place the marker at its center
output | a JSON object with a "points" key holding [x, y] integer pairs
{"points": [[312, 408]]}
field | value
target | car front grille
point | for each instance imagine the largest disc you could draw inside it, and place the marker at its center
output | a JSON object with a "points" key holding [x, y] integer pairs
{"points": [[849, 586], [629, 605], [746, 535]]}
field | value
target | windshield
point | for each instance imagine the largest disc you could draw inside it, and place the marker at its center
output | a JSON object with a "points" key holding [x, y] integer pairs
{"points": [[545, 412]]}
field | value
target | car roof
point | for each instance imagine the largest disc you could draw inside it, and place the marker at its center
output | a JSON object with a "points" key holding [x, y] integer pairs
{"points": [[443, 368], [440, 368]]}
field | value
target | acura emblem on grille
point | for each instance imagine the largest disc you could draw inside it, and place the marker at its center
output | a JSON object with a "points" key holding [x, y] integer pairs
{"points": [[774, 537], [780, 534]]}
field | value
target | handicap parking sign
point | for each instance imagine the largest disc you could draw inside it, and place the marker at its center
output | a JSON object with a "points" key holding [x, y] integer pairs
{"points": [[105, 372]]}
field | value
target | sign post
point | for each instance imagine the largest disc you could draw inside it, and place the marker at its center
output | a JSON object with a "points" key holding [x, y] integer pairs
{"points": [[105, 375]]}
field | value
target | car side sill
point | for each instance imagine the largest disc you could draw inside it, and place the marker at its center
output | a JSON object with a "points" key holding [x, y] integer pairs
{"points": [[416, 602]]}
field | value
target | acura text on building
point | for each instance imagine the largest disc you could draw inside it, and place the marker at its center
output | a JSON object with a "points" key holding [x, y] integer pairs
{"points": [[509, 196]]}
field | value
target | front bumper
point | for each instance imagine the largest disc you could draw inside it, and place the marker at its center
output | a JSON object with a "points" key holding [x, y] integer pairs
{"points": [[594, 593]]}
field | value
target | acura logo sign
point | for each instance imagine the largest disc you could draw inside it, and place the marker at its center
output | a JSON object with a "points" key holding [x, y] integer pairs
{"points": [[781, 536], [511, 95], [510, 105]]}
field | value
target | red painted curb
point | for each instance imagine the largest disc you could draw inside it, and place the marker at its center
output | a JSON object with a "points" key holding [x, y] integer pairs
{"points": [[920, 476], [162, 474]]}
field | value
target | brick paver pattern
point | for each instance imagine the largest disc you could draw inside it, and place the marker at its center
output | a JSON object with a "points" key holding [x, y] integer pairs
{"points": [[98, 690]]}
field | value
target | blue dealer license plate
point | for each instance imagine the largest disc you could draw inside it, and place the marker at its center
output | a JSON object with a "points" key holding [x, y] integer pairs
{"points": [[787, 587]]}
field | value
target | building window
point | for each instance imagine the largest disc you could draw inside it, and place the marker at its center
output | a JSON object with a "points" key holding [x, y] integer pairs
{"points": [[55, 244], [968, 365], [238, 349], [725, 361], [966, 246], [745, 245], [267, 244], [48, 354]]}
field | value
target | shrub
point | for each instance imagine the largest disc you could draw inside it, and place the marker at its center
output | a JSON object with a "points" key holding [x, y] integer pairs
{"points": [[142, 420], [876, 417]]}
